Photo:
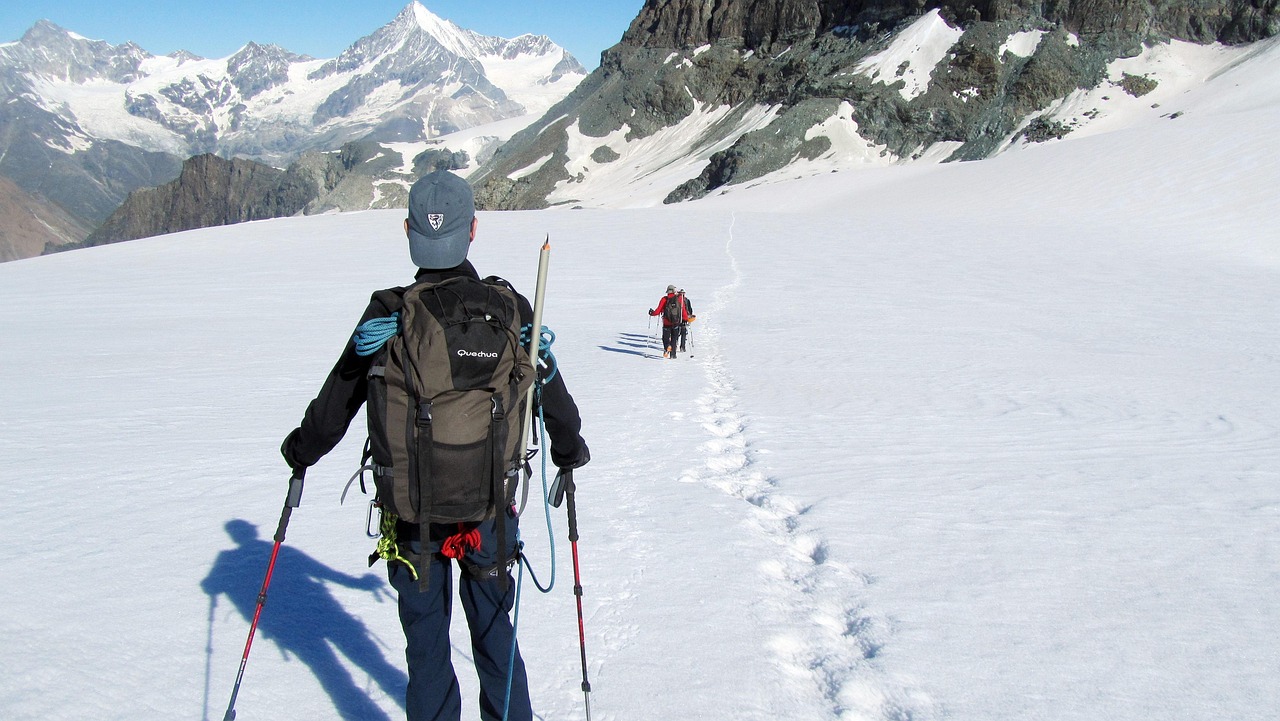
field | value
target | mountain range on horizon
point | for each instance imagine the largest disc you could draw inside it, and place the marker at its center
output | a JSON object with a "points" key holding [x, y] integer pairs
{"points": [[83, 123]]}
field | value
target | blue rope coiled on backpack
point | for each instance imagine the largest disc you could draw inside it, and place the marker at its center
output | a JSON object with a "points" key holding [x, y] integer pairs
{"points": [[545, 339], [372, 334]]}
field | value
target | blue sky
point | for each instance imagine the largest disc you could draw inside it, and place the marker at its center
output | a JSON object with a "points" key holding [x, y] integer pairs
{"points": [[320, 28]]}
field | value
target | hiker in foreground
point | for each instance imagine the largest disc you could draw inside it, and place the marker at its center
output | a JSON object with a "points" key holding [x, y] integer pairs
{"points": [[676, 312], [428, 361]]}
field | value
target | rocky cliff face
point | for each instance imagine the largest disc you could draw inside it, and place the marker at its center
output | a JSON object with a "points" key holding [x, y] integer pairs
{"points": [[808, 62], [212, 191], [209, 191], [762, 24]]}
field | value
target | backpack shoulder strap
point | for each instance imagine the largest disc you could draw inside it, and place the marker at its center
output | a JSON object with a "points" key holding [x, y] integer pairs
{"points": [[495, 280], [392, 299]]}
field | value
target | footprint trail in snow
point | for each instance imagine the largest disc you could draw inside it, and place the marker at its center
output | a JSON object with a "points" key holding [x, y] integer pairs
{"points": [[826, 639]]}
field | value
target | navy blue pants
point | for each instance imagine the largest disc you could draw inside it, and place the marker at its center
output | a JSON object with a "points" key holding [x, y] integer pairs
{"points": [[670, 337], [433, 693]]}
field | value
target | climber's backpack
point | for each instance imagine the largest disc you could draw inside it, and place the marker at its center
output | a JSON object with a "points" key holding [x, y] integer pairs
{"points": [[446, 402], [672, 312]]}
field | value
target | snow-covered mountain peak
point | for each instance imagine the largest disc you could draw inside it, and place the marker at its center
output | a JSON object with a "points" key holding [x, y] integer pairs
{"points": [[417, 77], [255, 68], [51, 51], [415, 39], [455, 39]]}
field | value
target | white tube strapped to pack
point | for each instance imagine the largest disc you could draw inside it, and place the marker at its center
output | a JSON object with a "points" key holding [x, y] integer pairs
{"points": [[535, 340]]}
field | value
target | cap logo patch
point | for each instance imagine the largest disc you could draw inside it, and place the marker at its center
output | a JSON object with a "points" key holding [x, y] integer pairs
{"points": [[436, 220]]}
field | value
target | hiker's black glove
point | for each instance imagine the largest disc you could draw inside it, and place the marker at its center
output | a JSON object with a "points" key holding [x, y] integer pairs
{"points": [[286, 450], [577, 460]]}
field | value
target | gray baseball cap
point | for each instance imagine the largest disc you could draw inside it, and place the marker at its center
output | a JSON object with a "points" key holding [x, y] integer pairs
{"points": [[441, 208]]}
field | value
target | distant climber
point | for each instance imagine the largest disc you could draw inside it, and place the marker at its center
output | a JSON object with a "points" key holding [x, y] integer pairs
{"points": [[676, 313]]}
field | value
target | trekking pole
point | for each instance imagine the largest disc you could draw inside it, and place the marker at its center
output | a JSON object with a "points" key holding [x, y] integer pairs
{"points": [[563, 487], [291, 502]]}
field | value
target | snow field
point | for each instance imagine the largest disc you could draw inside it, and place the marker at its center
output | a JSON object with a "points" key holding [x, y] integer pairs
{"points": [[990, 440]]}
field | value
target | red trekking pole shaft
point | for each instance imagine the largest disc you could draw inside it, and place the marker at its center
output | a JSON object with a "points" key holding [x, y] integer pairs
{"points": [[577, 584], [291, 502]]}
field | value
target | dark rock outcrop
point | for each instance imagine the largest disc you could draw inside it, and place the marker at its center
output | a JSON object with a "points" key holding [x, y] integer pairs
{"points": [[214, 191], [209, 191], [764, 24]]}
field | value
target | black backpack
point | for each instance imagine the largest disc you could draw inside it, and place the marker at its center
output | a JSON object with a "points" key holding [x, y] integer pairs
{"points": [[446, 404], [672, 311]]}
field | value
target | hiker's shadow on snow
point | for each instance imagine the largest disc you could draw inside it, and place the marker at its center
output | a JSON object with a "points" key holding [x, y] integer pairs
{"points": [[304, 620], [635, 344]]}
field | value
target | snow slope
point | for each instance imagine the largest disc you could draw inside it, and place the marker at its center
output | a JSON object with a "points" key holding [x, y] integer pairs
{"points": [[913, 55], [991, 440], [1165, 82]]}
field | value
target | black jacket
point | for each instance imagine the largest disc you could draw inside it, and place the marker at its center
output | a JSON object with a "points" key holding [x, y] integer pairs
{"points": [[346, 389]]}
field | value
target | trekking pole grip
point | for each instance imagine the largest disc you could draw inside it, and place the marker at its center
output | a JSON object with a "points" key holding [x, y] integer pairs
{"points": [[295, 489], [292, 501], [568, 489]]}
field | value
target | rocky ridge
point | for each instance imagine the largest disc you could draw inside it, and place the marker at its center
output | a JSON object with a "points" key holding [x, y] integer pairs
{"points": [[806, 60], [212, 191]]}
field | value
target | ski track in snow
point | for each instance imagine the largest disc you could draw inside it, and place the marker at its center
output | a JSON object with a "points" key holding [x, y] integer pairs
{"points": [[827, 639]]}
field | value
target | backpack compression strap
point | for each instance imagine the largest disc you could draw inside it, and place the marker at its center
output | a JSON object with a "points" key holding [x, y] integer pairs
{"points": [[497, 424], [419, 432]]}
